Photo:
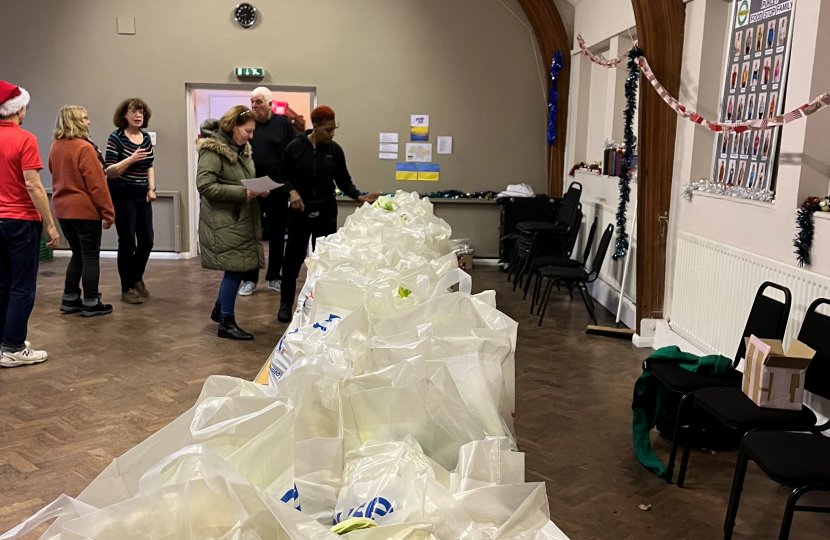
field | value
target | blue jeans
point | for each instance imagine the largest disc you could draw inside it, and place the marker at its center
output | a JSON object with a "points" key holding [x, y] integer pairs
{"points": [[227, 292], [19, 253]]}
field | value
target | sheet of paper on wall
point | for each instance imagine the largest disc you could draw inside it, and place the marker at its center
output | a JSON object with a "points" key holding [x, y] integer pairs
{"points": [[388, 137], [444, 145], [419, 152], [419, 120], [389, 148], [389, 155], [261, 184]]}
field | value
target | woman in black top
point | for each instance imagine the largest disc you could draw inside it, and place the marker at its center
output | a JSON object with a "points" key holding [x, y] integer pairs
{"points": [[311, 166], [133, 188]]}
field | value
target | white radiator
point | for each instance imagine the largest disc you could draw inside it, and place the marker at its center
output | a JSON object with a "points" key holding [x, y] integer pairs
{"points": [[715, 284]]}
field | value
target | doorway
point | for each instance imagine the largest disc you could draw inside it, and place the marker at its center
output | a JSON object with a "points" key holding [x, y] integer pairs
{"points": [[212, 101]]}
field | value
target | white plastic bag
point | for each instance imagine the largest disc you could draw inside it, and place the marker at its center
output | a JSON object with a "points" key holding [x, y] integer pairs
{"points": [[201, 499], [244, 423]]}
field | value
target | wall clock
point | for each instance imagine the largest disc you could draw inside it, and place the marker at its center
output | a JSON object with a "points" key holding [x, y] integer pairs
{"points": [[245, 15]]}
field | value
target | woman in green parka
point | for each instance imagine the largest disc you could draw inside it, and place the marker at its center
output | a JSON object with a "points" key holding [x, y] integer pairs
{"points": [[230, 235]]}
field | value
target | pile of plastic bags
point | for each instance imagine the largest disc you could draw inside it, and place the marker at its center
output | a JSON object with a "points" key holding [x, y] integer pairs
{"points": [[388, 415]]}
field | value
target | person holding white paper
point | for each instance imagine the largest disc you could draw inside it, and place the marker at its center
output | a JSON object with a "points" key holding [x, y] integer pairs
{"points": [[230, 234], [311, 167]]}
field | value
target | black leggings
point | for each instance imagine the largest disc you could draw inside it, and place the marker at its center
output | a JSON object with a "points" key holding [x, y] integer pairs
{"points": [[134, 223], [301, 228], [84, 237]]}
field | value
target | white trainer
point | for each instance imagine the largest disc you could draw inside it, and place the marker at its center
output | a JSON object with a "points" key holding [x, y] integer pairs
{"points": [[23, 357], [247, 289], [275, 285]]}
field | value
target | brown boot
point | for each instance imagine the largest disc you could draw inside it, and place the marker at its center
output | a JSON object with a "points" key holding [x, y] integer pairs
{"points": [[131, 297], [141, 289]]}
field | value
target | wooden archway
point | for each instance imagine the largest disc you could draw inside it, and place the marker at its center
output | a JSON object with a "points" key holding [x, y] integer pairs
{"points": [[550, 32], [660, 28]]}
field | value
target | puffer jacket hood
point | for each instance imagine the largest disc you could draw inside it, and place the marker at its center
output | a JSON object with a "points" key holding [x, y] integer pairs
{"points": [[218, 141]]}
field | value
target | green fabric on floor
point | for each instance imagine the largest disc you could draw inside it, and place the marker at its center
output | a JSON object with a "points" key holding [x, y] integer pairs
{"points": [[649, 396]]}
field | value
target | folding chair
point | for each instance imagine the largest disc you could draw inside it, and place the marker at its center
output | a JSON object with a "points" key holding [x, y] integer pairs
{"points": [[732, 408], [767, 319], [566, 262], [574, 277]]}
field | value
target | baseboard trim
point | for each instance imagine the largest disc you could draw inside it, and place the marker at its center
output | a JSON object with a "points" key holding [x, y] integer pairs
{"points": [[485, 262], [609, 297], [156, 255], [642, 342]]}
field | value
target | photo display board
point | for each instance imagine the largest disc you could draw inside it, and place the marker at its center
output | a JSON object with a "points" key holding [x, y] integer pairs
{"points": [[754, 88]]}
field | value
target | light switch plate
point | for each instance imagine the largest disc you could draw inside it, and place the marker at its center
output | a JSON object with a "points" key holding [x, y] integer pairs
{"points": [[152, 135], [126, 25]]}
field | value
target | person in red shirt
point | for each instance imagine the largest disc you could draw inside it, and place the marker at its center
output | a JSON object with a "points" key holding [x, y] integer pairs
{"points": [[24, 210]]}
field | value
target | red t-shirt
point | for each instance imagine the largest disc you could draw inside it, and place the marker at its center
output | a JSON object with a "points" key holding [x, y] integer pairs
{"points": [[18, 153]]}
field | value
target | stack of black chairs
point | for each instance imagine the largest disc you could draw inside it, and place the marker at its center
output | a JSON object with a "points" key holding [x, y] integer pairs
{"points": [[533, 239]]}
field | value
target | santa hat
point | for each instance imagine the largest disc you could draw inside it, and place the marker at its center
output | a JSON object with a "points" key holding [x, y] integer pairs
{"points": [[12, 99]]}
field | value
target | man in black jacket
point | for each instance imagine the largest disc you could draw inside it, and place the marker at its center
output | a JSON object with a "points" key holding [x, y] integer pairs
{"points": [[312, 164], [273, 133]]}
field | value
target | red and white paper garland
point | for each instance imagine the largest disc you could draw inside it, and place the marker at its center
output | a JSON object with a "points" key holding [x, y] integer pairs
{"points": [[814, 106]]}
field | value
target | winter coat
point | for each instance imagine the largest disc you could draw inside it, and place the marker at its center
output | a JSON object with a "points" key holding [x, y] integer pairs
{"points": [[230, 235]]}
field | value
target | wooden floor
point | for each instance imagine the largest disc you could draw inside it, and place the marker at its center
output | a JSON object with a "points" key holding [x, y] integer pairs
{"points": [[112, 381]]}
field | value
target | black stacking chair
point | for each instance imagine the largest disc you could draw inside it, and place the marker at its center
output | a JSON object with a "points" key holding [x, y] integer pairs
{"points": [[767, 319], [796, 460], [575, 277], [556, 237], [566, 262], [732, 408]]}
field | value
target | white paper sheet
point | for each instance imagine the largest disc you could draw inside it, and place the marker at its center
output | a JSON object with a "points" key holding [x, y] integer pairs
{"points": [[388, 137], [389, 155], [444, 145], [419, 152], [260, 185], [419, 120], [389, 148]]}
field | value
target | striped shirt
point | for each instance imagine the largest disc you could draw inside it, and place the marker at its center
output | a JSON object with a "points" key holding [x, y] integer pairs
{"points": [[120, 147]]}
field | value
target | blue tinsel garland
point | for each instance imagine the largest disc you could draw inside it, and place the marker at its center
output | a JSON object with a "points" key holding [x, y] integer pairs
{"points": [[555, 68], [628, 133]]}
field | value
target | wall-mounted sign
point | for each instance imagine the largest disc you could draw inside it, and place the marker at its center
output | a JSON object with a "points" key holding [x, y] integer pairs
{"points": [[754, 87], [249, 72]]}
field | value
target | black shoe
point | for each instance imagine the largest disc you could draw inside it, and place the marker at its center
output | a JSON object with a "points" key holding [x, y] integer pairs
{"points": [[97, 309], [229, 330], [215, 314], [286, 313], [72, 306]]}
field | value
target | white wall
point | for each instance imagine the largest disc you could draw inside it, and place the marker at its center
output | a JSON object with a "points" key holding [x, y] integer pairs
{"points": [[765, 230], [600, 20]]}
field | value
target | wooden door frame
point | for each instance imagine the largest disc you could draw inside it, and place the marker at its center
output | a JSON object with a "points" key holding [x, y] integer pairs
{"points": [[550, 32], [660, 30]]}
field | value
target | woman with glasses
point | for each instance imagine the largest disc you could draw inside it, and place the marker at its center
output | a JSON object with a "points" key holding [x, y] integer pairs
{"points": [[83, 207], [132, 185], [230, 234]]}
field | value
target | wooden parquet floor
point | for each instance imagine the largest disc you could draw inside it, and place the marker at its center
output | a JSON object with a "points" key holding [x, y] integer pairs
{"points": [[112, 381]]}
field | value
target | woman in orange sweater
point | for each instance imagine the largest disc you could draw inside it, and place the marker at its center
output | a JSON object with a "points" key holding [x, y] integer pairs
{"points": [[82, 204]]}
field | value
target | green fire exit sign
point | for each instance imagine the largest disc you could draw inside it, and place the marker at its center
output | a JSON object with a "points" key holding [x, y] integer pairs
{"points": [[249, 72]]}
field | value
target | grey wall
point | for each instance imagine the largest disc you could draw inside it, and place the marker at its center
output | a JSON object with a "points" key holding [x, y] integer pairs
{"points": [[469, 64]]}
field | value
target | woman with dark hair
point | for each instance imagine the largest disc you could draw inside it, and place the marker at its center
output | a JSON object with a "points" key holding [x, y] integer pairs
{"points": [[230, 234], [132, 186], [312, 165]]}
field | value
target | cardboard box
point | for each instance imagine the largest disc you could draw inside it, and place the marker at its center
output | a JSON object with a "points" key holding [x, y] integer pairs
{"points": [[775, 379], [465, 262]]}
